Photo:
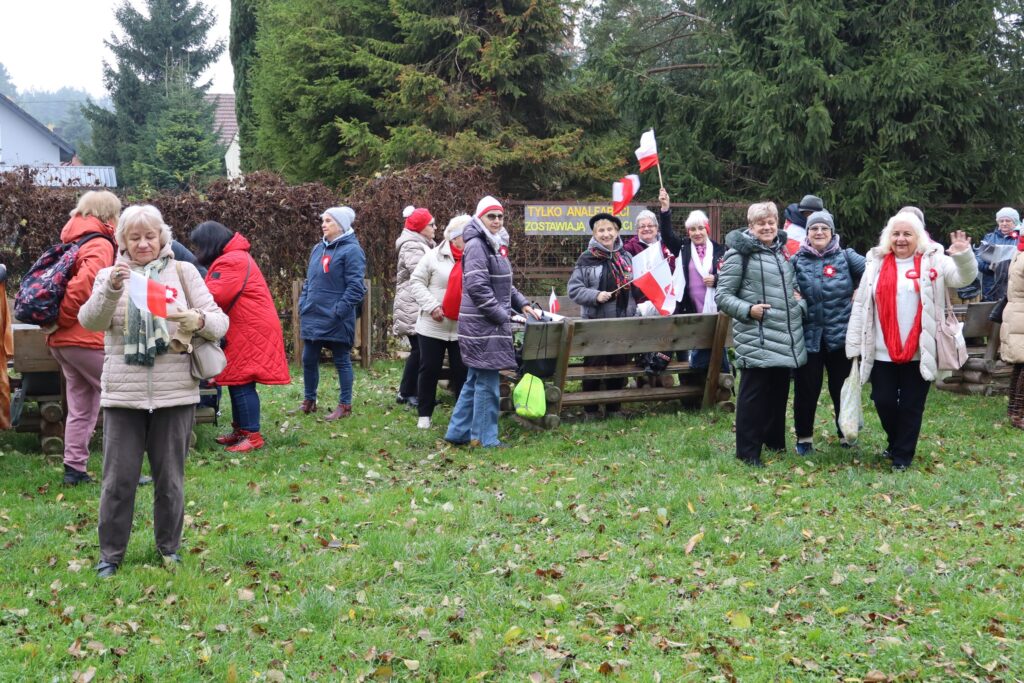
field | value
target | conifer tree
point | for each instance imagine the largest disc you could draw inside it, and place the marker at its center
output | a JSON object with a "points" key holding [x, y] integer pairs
{"points": [[171, 34], [356, 85]]}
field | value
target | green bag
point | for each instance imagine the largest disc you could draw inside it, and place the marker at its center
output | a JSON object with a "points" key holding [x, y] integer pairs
{"points": [[528, 397]]}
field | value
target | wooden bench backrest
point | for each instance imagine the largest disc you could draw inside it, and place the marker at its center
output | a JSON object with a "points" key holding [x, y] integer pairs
{"points": [[639, 335], [542, 340], [975, 318]]}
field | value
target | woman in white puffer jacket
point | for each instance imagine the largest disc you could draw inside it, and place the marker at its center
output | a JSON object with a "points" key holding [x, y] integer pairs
{"points": [[896, 313], [436, 332]]}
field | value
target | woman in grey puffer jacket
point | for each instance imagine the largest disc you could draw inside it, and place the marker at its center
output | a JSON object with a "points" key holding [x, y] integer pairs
{"points": [[757, 288], [827, 276], [600, 285]]}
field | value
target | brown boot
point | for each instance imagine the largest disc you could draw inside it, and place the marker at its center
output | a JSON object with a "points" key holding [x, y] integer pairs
{"points": [[308, 406], [341, 411]]}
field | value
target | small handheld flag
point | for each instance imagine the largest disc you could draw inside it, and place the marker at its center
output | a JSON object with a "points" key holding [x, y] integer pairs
{"points": [[149, 295], [647, 152], [623, 192], [553, 306]]}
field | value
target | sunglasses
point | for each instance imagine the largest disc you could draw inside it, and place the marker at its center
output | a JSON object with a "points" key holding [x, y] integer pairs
{"points": [[494, 216]]}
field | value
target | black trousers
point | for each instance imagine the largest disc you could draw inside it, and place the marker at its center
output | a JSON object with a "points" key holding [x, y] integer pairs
{"points": [[410, 375], [807, 388], [431, 361], [761, 411], [598, 384], [899, 393]]}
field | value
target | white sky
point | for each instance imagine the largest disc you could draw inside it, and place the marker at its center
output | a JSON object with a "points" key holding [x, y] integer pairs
{"points": [[47, 44]]}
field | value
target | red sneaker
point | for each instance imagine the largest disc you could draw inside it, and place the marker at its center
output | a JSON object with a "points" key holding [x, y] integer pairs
{"points": [[231, 438], [250, 441]]}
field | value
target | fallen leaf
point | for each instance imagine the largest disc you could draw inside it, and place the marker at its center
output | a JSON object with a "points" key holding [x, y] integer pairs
{"points": [[84, 676], [738, 619], [876, 677], [512, 635], [411, 664], [246, 595], [694, 540]]}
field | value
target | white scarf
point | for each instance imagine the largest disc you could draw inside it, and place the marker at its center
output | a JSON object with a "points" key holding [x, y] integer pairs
{"points": [[703, 266]]}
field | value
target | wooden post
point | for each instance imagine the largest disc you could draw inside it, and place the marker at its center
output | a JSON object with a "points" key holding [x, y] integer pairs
{"points": [[296, 324], [563, 362], [365, 329], [715, 364], [715, 218]]}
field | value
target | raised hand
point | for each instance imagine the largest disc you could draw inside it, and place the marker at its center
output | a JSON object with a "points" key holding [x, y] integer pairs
{"points": [[959, 242]]}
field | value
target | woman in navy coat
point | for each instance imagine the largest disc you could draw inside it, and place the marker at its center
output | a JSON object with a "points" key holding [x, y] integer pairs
{"points": [[331, 296], [827, 275]]}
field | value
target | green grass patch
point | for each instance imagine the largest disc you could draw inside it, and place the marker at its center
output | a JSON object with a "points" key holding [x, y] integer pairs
{"points": [[633, 549]]}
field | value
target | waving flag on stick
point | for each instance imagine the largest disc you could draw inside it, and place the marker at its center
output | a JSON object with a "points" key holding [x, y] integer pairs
{"points": [[149, 295], [653, 276], [623, 192], [553, 306], [647, 154]]}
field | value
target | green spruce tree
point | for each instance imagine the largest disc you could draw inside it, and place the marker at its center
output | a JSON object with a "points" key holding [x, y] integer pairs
{"points": [[169, 34]]}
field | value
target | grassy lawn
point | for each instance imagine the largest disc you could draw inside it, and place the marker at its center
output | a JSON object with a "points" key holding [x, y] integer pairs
{"points": [[634, 549]]}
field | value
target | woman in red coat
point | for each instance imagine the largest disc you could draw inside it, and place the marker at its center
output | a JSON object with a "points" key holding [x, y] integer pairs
{"points": [[254, 344]]}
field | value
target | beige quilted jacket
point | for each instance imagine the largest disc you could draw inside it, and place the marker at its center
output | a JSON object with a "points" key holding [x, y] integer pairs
{"points": [[169, 382], [411, 247]]}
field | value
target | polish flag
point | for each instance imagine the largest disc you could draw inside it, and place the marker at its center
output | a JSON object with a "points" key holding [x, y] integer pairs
{"points": [[149, 295], [623, 192], [647, 152], [794, 237], [553, 306], [653, 276]]}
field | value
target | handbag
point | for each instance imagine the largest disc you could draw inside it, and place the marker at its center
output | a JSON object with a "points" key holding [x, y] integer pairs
{"points": [[851, 412], [207, 358], [950, 346]]}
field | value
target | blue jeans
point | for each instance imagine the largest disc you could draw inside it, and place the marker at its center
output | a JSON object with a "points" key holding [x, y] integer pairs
{"points": [[311, 368], [245, 407], [476, 413], [700, 358]]}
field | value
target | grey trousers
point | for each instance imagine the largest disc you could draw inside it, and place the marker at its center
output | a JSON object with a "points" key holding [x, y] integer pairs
{"points": [[164, 436]]}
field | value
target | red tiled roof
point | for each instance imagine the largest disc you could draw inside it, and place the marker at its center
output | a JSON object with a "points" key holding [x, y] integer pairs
{"points": [[224, 121]]}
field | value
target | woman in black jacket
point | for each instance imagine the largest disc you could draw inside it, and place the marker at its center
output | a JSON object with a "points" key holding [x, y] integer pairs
{"points": [[699, 257]]}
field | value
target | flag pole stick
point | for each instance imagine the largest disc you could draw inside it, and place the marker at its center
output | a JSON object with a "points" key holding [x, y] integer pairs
{"points": [[660, 181]]}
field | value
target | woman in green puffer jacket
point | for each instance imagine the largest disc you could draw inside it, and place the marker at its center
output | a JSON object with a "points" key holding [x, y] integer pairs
{"points": [[757, 288]]}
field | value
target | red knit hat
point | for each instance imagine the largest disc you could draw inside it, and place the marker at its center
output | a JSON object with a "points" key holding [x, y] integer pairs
{"points": [[416, 219]]}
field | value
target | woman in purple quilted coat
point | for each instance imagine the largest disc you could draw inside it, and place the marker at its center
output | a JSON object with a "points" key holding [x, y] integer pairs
{"points": [[485, 331]]}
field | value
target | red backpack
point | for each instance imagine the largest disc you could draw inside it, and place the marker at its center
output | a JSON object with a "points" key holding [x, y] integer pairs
{"points": [[43, 287]]}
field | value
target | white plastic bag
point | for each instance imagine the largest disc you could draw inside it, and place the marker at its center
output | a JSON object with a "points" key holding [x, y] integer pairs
{"points": [[851, 413]]}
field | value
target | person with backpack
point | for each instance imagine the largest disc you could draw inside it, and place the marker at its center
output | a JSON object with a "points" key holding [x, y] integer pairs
{"points": [[79, 351], [827, 276], [254, 345], [757, 289]]}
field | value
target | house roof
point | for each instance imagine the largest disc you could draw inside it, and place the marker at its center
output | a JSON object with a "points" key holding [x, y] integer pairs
{"points": [[224, 121], [65, 148], [69, 176]]}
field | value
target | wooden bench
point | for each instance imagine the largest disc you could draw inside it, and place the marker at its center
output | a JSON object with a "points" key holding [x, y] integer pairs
{"points": [[38, 400], [565, 341]]}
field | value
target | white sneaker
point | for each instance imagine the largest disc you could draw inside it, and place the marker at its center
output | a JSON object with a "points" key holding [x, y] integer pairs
{"points": [[423, 423]]}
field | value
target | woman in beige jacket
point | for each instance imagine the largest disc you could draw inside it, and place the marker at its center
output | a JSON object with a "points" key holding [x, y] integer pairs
{"points": [[417, 239], [436, 332], [147, 390], [1011, 337]]}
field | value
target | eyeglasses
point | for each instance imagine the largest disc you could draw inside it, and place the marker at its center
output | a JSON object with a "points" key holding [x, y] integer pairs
{"points": [[646, 226], [819, 228], [494, 216]]}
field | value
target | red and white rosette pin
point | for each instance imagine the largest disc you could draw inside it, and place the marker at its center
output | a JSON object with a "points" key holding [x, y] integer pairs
{"points": [[326, 262], [829, 270]]}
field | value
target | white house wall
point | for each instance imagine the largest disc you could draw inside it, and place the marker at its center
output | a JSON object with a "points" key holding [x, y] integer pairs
{"points": [[23, 143]]}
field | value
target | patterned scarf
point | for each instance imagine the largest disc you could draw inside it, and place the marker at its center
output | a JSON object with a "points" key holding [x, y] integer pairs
{"points": [[621, 271], [888, 314], [145, 337]]}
